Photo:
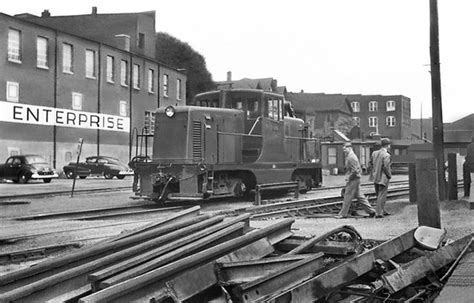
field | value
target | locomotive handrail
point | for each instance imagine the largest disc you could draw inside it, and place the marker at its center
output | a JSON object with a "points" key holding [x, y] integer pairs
{"points": [[299, 138], [238, 134], [255, 124]]}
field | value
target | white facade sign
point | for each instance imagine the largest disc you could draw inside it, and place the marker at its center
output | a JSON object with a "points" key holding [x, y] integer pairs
{"points": [[32, 114]]}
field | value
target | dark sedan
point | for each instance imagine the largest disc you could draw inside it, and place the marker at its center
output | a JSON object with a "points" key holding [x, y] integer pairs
{"points": [[22, 168], [108, 167]]}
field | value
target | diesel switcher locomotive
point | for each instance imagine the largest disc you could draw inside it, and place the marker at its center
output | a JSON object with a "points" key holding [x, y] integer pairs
{"points": [[225, 145]]}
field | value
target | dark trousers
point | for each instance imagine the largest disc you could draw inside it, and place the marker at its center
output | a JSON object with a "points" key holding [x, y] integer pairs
{"points": [[353, 191], [467, 189], [381, 192]]}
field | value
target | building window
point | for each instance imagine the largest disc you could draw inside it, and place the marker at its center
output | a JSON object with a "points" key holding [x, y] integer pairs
{"points": [[77, 101], [355, 106], [124, 73], [390, 121], [150, 122], [390, 105], [136, 76], [14, 45], [373, 121], [178, 89], [123, 108], [90, 64], [13, 91], [67, 58], [373, 106], [42, 52], [165, 85], [357, 121], [151, 81], [141, 40], [332, 155], [110, 69]]}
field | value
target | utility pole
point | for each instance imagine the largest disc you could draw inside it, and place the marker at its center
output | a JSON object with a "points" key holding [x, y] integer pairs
{"points": [[421, 121], [436, 98]]}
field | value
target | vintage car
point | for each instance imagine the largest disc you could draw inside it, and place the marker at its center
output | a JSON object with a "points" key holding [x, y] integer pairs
{"points": [[108, 167], [22, 168]]}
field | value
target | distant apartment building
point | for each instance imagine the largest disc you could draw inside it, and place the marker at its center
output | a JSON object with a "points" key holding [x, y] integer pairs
{"points": [[384, 116], [88, 76]]}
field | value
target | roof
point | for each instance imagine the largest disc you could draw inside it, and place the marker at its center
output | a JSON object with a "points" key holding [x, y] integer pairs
{"points": [[267, 84], [311, 102], [458, 136], [465, 123]]}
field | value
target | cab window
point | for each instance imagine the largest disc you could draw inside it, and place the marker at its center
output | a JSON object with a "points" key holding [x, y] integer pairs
{"points": [[10, 160], [273, 109], [253, 110]]}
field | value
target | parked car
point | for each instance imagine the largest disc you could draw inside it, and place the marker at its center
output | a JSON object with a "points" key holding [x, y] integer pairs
{"points": [[108, 167], [22, 168], [136, 159]]}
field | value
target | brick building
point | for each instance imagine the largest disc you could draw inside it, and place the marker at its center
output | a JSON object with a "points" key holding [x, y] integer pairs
{"points": [[89, 76], [386, 116]]}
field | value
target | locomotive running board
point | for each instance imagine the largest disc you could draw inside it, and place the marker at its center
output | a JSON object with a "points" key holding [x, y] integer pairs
{"points": [[184, 197]]}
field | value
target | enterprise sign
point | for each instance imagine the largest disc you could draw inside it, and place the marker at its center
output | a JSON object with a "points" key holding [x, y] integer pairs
{"points": [[32, 114]]}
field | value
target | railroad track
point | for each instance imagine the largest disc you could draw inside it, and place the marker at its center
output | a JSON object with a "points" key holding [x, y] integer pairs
{"points": [[101, 213], [317, 207], [5, 198]]}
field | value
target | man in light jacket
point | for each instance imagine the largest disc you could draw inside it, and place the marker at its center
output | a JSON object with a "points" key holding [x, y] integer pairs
{"points": [[352, 189], [381, 174]]}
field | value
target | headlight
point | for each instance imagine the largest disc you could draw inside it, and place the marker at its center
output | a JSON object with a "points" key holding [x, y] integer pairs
{"points": [[169, 111]]}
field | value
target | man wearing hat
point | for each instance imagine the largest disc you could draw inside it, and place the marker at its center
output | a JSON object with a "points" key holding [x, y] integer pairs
{"points": [[352, 189], [381, 175]]}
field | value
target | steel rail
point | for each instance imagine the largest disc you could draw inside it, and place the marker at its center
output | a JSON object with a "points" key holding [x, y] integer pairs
{"points": [[88, 211], [324, 207], [60, 282], [62, 193], [162, 227], [148, 279]]}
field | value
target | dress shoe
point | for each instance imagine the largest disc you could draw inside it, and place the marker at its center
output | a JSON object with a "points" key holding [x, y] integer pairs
{"points": [[378, 216], [339, 217], [386, 213], [371, 215]]}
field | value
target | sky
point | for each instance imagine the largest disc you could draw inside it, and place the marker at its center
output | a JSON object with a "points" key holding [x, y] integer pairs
{"points": [[318, 46]]}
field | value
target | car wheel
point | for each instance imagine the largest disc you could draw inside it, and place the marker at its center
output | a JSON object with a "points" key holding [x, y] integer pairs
{"points": [[120, 177], [69, 174], [82, 177], [108, 175], [23, 178], [47, 180]]}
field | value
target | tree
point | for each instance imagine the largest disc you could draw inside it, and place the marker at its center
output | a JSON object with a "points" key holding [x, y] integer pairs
{"points": [[178, 54]]}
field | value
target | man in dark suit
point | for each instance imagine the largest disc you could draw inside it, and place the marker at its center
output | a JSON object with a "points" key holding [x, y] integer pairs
{"points": [[352, 189], [381, 174]]}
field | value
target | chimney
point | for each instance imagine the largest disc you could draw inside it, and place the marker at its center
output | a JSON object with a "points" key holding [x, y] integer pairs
{"points": [[45, 14], [122, 41], [229, 76], [94, 10]]}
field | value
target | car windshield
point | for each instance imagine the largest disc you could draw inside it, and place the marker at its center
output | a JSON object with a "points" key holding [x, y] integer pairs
{"points": [[35, 159]]}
